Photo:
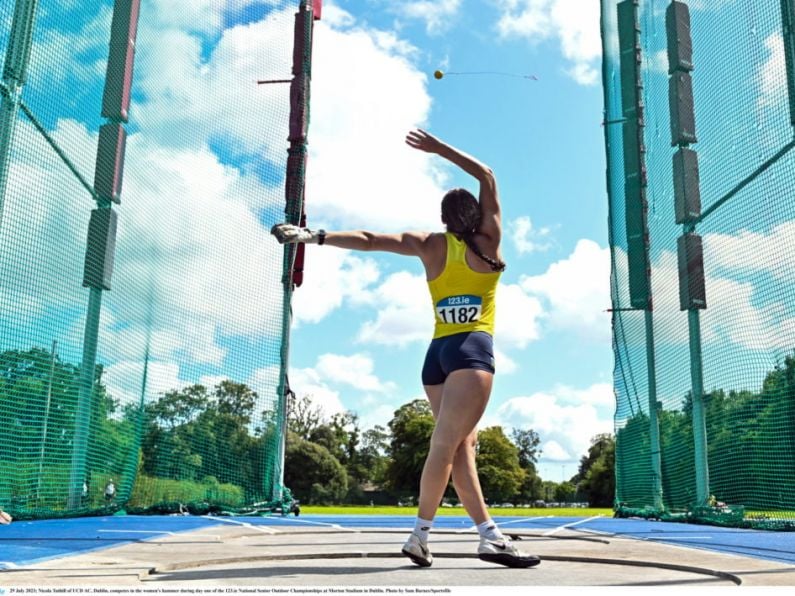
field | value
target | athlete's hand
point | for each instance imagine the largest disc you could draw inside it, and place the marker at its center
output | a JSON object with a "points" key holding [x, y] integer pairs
{"points": [[419, 139], [290, 234]]}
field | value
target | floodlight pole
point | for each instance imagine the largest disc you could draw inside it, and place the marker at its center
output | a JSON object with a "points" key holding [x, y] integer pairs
{"points": [[14, 76]]}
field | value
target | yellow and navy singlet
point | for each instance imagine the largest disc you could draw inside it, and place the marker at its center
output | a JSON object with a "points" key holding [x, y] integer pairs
{"points": [[463, 299]]}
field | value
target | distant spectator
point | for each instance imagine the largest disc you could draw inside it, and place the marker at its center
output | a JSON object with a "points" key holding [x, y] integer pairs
{"points": [[110, 491]]}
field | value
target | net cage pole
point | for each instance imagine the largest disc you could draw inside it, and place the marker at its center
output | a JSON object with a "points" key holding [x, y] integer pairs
{"points": [[101, 242], [692, 291], [636, 204], [15, 72], [295, 186]]}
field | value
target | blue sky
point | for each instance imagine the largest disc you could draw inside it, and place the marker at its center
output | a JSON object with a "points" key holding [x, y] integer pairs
{"points": [[205, 166], [197, 274], [545, 143]]}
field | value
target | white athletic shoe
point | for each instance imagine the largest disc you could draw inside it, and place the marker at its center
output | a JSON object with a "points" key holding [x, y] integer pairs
{"points": [[417, 551], [5, 518], [504, 552]]}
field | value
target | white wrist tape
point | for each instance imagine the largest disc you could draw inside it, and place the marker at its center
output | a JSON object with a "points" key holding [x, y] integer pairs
{"points": [[291, 234]]}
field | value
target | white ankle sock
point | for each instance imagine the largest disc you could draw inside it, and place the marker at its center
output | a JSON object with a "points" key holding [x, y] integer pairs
{"points": [[422, 527], [489, 530]]}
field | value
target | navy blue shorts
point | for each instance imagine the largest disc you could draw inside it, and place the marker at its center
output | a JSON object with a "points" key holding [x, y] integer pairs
{"points": [[463, 350]]}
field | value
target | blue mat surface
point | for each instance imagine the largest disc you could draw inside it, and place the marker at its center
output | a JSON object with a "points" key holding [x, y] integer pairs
{"points": [[23, 543]]}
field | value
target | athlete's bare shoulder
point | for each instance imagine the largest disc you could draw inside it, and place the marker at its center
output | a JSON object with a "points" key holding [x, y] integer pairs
{"points": [[435, 254]]}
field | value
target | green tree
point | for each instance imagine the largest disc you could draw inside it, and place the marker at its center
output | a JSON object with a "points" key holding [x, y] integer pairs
{"points": [[411, 428], [303, 415], [38, 401], [194, 433], [499, 471], [372, 456], [597, 472], [313, 474], [527, 442], [565, 492]]}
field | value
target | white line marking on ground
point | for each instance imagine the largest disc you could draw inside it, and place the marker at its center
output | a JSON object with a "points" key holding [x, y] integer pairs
{"points": [[514, 521], [518, 521], [136, 532], [264, 529], [317, 523], [214, 536], [577, 523], [676, 538]]}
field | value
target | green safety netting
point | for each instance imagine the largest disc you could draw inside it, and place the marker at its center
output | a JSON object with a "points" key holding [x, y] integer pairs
{"points": [[144, 307], [702, 203]]}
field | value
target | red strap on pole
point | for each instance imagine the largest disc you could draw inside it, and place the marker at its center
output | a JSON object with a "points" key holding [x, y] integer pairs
{"points": [[317, 6], [298, 265]]}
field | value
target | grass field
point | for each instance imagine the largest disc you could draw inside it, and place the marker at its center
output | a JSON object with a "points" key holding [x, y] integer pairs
{"points": [[525, 512]]}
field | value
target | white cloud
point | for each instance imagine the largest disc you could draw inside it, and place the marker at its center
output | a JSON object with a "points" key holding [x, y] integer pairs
{"points": [[375, 414], [657, 62], [518, 317], [554, 451], [199, 16], [732, 315], [355, 370], [576, 291], [308, 382], [336, 17], [573, 23], [124, 380], [525, 238], [565, 418], [709, 4], [332, 277], [189, 84], [436, 14], [773, 74], [503, 363], [366, 95], [404, 312]]}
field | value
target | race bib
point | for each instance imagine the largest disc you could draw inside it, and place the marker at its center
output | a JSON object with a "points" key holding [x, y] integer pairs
{"points": [[459, 310]]}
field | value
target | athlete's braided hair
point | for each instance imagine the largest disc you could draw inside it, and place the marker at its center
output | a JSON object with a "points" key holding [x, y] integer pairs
{"points": [[461, 214]]}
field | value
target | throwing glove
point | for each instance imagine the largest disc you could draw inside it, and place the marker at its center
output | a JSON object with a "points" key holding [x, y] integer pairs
{"points": [[291, 234]]}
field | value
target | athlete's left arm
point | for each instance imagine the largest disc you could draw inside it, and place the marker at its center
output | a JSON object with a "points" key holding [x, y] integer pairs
{"points": [[413, 244], [406, 243]]}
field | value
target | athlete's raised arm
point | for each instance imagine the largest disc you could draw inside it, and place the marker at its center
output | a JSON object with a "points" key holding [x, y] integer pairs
{"points": [[490, 217]]}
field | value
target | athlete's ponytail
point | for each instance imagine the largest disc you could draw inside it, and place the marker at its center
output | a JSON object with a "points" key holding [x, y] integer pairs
{"points": [[461, 214]]}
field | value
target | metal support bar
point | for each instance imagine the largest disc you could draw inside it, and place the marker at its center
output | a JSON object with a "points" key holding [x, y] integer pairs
{"points": [[654, 425], [742, 184], [60, 152], [46, 422], [699, 419], [77, 473]]}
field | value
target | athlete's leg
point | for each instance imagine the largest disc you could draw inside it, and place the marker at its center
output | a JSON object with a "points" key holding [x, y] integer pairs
{"points": [[465, 476], [465, 395]]}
